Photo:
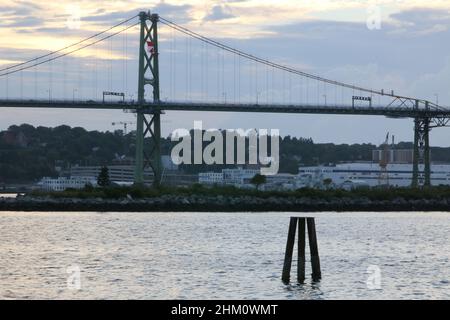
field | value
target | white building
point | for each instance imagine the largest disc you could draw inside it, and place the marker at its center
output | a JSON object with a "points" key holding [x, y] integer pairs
{"points": [[210, 178], [120, 174], [123, 174], [63, 183], [346, 176], [238, 177], [281, 181], [241, 178], [399, 175], [234, 177]]}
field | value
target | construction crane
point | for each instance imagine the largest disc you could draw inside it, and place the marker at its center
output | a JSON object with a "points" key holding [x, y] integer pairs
{"points": [[384, 161], [125, 125]]}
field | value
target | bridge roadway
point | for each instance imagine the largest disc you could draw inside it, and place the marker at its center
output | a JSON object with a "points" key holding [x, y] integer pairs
{"points": [[391, 111]]}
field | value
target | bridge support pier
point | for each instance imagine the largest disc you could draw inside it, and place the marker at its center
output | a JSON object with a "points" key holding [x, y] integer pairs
{"points": [[148, 116], [421, 157], [149, 125]]}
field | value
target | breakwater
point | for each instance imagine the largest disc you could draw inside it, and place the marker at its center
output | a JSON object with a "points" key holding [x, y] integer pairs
{"points": [[199, 203]]}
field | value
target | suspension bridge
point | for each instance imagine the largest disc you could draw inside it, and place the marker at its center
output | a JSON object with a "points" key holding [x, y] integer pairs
{"points": [[199, 74]]}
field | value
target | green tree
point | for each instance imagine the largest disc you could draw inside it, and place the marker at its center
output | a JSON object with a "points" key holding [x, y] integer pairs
{"points": [[258, 180], [327, 183], [103, 177]]}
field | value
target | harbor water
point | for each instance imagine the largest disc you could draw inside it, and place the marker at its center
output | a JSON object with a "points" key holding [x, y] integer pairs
{"points": [[220, 256]]}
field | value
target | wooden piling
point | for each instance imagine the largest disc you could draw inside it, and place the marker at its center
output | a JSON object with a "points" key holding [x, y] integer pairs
{"points": [[289, 251], [314, 250], [301, 251]]}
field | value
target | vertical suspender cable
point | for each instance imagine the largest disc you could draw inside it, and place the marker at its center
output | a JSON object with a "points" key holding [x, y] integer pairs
{"points": [[202, 69], [223, 76], [239, 79], [174, 64], [21, 84], [267, 84], [35, 82], [51, 81], [187, 70], [234, 78], [126, 61]]}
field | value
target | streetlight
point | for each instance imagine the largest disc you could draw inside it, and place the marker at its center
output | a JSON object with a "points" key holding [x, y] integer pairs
{"points": [[325, 97], [437, 98]]}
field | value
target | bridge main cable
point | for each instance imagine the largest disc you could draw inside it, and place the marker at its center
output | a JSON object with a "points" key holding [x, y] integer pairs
{"points": [[276, 65], [23, 64]]}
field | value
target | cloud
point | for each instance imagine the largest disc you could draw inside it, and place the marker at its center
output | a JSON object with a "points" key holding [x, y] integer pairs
{"points": [[163, 9], [20, 14], [22, 23], [422, 21], [28, 4], [409, 54], [330, 44], [219, 13]]}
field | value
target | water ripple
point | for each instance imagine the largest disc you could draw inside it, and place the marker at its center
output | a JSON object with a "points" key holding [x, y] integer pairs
{"points": [[219, 256]]}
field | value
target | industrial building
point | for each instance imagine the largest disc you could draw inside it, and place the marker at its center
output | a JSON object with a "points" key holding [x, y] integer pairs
{"points": [[63, 183], [120, 174], [344, 175], [241, 178], [398, 175], [394, 156]]}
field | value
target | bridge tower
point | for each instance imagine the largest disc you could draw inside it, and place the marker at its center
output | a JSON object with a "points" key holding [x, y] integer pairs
{"points": [[421, 157], [148, 115]]}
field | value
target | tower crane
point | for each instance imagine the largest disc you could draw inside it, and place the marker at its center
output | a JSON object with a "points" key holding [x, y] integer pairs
{"points": [[125, 125]]}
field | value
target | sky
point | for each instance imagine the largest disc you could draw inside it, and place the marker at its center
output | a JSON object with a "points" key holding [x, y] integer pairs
{"points": [[393, 45]]}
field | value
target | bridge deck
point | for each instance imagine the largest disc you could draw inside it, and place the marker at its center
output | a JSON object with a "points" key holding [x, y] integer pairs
{"points": [[394, 112]]}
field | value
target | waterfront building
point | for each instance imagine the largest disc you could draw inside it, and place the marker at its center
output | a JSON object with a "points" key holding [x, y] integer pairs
{"points": [[345, 176], [120, 174], [368, 173], [210, 178], [238, 177], [63, 183], [232, 177], [241, 178], [123, 173]]}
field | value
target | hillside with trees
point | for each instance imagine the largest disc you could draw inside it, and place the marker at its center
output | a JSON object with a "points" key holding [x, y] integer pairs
{"points": [[28, 153]]}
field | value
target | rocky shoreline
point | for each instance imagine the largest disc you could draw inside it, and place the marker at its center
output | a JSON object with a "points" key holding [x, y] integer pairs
{"points": [[199, 203]]}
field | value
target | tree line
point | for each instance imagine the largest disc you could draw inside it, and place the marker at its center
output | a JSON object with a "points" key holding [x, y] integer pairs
{"points": [[28, 153]]}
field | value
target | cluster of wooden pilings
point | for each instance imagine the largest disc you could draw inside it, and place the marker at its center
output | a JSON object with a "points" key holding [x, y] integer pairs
{"points": [[313, 248]]}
